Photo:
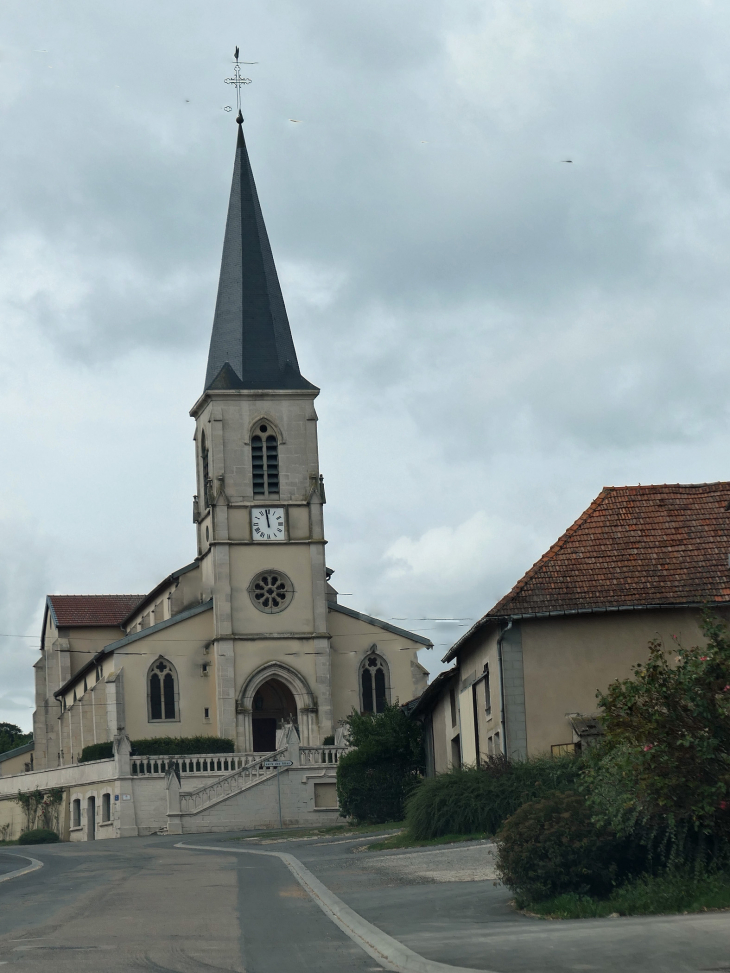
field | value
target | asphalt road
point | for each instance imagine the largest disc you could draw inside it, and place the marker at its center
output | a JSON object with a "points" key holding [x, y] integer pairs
{"points": [[143, 904]]}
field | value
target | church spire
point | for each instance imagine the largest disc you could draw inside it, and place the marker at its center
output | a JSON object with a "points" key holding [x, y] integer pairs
{"points": [[251, 346]]}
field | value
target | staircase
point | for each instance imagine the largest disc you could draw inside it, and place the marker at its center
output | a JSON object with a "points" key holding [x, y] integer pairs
{"points": [[203, 798]]}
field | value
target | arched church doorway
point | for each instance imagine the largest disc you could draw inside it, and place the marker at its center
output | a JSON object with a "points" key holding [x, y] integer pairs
{"points": [[273, 706]]}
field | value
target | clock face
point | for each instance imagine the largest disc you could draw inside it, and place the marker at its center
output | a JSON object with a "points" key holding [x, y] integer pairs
{"points": [[267, 523]]}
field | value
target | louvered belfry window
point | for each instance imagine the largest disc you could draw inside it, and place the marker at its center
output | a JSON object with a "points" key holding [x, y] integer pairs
{"points": [[265, 463]]}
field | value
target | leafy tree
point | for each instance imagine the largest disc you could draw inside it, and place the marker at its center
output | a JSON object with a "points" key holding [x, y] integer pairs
{"points": [[11, 736], [666, 755], [374, 779]]}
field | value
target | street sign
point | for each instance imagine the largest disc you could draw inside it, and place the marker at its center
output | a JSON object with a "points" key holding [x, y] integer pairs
{"points": [[278, 763]]}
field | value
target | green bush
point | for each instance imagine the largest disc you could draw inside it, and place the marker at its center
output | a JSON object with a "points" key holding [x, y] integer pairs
{"points": [[96, 751], [374, 779], [11, 736], [469, 801], [370, 792], [666, 754], [674, 890], [157, 746], [552, 846], [39, 836]]}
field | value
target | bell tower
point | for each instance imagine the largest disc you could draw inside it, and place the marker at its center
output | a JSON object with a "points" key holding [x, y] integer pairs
{"points": [[260, 495]]}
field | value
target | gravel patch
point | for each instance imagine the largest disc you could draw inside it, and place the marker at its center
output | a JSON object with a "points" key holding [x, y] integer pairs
{"points": [[475, 863]]}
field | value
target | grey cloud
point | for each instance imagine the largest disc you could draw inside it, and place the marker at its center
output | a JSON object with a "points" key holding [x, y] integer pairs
{"points": [[496, 333]]}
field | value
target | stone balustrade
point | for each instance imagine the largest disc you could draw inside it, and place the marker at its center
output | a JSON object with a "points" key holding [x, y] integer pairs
{"points": [[192, 801], [191, 764], [309, 756]]}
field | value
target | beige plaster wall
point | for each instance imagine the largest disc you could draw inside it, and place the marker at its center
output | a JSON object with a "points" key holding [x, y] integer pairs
{"points": [[352, 640], [182, 645], [295, 561], [15, 765], [566, 660], [483, 651]]}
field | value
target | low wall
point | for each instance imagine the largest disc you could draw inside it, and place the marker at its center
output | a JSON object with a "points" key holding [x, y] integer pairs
{"points": [[105, 799], [305, 794], [88, 773]]}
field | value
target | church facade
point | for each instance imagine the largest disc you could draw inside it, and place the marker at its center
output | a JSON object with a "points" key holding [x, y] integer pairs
{"points": [[248, 640]]}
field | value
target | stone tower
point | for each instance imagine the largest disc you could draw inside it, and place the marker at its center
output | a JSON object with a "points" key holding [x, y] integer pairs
{"points": [[258, 509]]}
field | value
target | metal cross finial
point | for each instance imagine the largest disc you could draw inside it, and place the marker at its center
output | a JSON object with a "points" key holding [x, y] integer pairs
{"points": [[237, 81]]}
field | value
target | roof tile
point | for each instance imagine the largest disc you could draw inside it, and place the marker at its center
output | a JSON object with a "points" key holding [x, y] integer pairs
{"points": [[78, 610], [633, 546]]}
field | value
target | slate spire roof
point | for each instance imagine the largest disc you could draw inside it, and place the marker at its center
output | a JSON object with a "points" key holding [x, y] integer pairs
{"points": [[251, 346]]}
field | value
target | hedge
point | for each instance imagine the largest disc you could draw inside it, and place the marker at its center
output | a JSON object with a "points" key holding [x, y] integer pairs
{"points": [[39, 836], [373, 792], [158, 746], [474, 801], [374, 779], [552, 846]]}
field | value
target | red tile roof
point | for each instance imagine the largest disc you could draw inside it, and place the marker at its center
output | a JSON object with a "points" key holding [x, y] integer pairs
{"points": [[634, 546], [71, 611]]}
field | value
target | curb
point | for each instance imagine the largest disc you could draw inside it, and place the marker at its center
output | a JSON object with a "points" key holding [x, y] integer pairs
{"points": [[33, 867], [388, 951]]}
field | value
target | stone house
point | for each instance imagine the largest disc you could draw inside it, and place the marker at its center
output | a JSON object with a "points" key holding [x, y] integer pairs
{"points": [[641, 563]]}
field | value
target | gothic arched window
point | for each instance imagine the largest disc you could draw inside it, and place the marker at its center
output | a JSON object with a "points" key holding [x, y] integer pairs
{"points": [[163, 698], [374, 684], [265, 462], [204, 467]]}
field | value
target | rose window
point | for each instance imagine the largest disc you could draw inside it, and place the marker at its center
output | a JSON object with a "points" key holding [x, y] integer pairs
{"points": [[271, 591]]}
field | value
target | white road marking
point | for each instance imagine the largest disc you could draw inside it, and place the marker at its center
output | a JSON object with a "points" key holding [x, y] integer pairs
{"points": [[33, 867], [383, 948]]}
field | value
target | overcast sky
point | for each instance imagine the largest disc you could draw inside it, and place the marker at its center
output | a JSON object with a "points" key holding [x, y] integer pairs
{"points": [[497, 333]]}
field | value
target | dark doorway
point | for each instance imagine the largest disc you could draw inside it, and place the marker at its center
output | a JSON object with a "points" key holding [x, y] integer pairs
{"points": [[91, 819], [264, 734], [273, 706]]}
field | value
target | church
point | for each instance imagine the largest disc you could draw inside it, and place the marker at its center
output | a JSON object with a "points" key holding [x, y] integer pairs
{"points": [[248, 640]]}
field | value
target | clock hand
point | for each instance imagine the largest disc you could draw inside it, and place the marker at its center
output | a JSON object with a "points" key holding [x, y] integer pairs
{"points": [[267, 519]]}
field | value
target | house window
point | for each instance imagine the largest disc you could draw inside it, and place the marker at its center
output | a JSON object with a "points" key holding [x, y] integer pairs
{"points": [[76, 813], [106, 807], [497, 745], [265, 463], [487, 692], [374, 684], [452, 701], [85, 685], [206, 713], [162, 691]]}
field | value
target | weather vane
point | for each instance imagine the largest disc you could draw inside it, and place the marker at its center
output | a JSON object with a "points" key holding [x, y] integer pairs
{"points": [[237, 81]]}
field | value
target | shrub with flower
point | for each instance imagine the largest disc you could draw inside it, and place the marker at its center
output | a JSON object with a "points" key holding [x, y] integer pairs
{"points": [[666, 755]]}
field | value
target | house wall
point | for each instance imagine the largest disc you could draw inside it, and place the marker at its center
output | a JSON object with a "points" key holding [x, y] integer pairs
{"points": [[553, 667], [476, 712], [567, 660], [445, 729], [15, 765]]}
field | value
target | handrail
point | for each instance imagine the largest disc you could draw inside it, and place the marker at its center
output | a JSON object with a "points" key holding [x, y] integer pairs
{"points": [[196, 800]]}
